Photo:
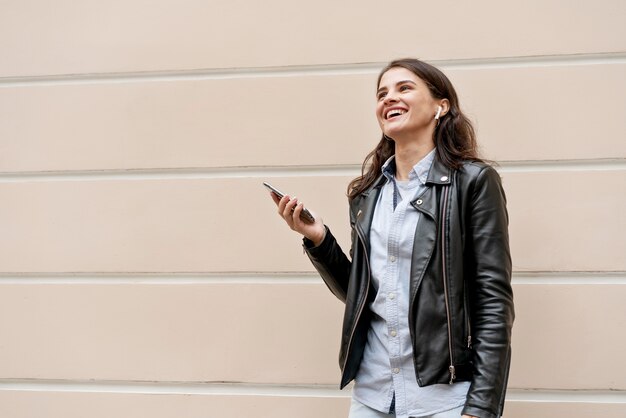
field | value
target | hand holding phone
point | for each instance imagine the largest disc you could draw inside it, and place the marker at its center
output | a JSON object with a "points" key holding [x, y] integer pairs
{"points": [[305, 215]]}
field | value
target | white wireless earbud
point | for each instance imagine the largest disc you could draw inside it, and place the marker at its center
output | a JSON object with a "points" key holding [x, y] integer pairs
{"points": [[439, 109]]}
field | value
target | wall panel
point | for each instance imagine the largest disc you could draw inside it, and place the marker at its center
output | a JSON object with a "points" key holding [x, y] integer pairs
{"points": [[281, 334], [121, 36], [546, 113], [154, 226], [524, 113], [565, 336], [205, 225], [562, 221], [562, 333]]}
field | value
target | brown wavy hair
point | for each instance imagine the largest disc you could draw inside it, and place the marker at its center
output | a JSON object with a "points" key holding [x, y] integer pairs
{"points": [[455, 138]]}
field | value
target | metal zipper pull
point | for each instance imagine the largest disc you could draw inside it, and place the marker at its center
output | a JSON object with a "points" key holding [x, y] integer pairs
{"points": [[452, 374], [469, 341]]}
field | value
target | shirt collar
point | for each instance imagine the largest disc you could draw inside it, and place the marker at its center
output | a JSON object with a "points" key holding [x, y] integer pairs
{"points": [[419, 171]]}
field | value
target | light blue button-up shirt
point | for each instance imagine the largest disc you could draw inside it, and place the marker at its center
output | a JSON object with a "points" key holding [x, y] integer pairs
{"points": [[387, 368]]}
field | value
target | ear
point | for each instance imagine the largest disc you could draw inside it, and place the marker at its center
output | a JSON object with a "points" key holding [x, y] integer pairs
{"points": [[445, 106]]}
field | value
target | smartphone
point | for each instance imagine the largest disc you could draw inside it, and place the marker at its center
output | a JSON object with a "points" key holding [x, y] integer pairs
{"points": [[305, 215]]}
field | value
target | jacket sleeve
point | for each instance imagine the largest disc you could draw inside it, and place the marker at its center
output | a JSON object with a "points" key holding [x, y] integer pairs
{"points": [[331, 263], [491, 295]]}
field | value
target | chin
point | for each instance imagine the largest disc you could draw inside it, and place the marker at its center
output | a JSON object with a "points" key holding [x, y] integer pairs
{"points": [[393, 133], [396, 130]]}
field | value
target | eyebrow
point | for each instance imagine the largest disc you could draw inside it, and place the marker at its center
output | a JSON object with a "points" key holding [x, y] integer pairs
{"points": [[397, 84]]}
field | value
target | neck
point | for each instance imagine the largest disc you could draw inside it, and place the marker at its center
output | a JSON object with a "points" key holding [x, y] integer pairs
{"points": [[408, 154]]}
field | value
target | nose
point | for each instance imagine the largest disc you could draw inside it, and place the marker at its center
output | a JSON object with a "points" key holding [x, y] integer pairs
{"points": [[390, 98]]}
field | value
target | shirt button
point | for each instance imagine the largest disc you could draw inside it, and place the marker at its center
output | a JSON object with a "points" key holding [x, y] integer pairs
{"points": [[393, 333], [444, 178], [391, 296], [392, 258], [419, 201], [396, 370]]}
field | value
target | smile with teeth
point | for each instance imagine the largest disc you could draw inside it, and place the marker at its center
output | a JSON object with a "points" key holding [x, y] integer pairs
{"points": [[394, 112]]}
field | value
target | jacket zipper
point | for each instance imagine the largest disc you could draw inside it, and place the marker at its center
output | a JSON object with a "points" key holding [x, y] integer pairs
{"points": [[467, 317], [451, 368], [360, 310]]}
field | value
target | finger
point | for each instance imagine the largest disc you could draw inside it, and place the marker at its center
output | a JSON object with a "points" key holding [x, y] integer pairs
{"points": [[297, 211], [301, 218], [288, 211], [281, 205]]}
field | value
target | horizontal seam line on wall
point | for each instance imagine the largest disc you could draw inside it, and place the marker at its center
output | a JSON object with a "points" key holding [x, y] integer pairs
{"points": [[183, 388], [191, 173], [275, 390], [278, 278], [312, 70]]}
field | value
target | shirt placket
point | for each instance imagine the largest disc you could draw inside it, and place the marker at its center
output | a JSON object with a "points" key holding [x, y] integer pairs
{"points": [[392, 306]]}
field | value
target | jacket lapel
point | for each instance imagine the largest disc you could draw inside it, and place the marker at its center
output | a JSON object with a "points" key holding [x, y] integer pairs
{"points": [[365, 209], [427, 203]]}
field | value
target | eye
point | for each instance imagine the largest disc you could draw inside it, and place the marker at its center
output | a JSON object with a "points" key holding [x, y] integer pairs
{"points": [[381, 95], [405, 87]]}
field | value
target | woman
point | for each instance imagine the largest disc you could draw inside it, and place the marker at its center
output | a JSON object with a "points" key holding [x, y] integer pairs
{"points": [[428, 300]]}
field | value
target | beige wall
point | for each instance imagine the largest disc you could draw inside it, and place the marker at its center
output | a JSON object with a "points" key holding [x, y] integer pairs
{"points": [[143, 271]]}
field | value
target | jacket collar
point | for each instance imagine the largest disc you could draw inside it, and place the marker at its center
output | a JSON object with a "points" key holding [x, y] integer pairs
{"points": [[419, 171], [439, 173]]}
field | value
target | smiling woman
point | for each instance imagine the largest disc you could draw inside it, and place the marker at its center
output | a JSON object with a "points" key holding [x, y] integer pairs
{"points": [[427, 292]]}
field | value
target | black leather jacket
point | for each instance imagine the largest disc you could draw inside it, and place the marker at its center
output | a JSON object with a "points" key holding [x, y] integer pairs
{"points": [[461, 308]]}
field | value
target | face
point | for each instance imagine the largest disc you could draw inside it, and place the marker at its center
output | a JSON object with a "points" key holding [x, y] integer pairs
{"points": [[405, 106]]}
